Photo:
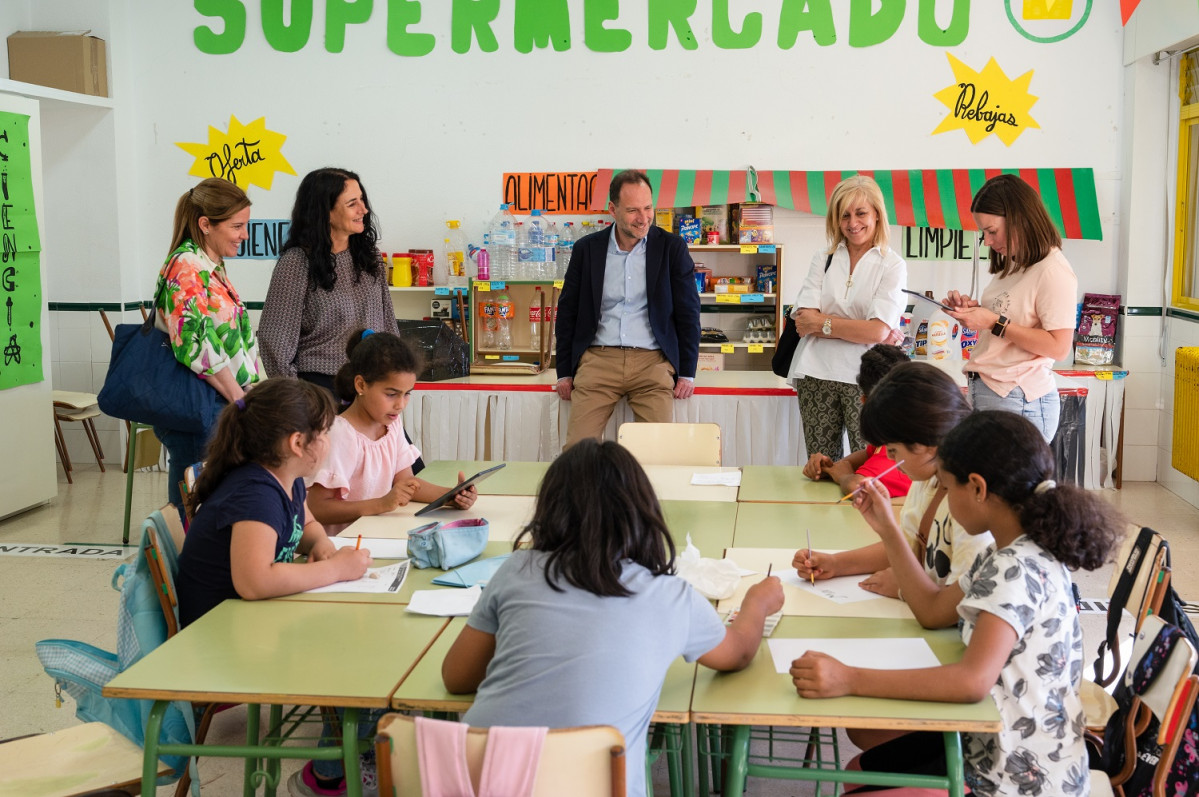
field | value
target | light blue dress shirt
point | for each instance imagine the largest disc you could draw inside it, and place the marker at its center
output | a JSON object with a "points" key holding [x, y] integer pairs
{"points": [[624, 307]]}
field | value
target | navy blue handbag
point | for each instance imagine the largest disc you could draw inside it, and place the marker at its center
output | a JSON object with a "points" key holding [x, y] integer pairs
{"points": [[146, 384]]}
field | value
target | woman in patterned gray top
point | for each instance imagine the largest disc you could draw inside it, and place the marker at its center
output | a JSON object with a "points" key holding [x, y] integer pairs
{"points": [[1019, 618], [329, 281]]}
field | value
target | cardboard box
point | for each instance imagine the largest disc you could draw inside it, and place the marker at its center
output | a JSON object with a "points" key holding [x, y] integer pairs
{"points": [[72, 61], [753, 223], [714, 217], [710, 361]]}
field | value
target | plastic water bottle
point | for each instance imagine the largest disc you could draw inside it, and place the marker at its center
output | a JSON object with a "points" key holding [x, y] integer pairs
{"points": [[501, 245], [566, 242], [549, 245], [488, 323], [535, 319], [533, 247], [455, 253], [503, 315]]}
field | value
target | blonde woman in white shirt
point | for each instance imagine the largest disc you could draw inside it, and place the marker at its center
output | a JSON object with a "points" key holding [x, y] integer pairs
{"points": [[851, 299]]}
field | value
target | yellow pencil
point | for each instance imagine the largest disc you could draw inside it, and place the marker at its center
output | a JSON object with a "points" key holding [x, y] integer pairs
{"points": [[358, 544], [811, 573]]}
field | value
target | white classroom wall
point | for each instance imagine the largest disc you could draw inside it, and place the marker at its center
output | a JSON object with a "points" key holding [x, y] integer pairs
{"points": [[432, 135]]}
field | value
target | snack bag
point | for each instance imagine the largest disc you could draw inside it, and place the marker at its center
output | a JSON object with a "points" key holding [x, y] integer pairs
{"points": [[1095, 339]]}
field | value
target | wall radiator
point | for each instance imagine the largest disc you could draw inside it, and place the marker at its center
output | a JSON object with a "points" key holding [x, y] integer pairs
{"points": [[1185, 450]]}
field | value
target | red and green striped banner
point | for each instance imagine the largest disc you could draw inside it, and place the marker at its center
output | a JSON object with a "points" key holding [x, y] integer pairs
{"points": [[675, 188], [941, 197]]}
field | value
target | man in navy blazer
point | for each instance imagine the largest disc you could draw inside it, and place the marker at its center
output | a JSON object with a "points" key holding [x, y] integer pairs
{"points": [[628, 317]]}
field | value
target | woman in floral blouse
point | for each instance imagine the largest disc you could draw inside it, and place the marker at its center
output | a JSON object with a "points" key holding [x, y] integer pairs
{"points": [[198, 308]]}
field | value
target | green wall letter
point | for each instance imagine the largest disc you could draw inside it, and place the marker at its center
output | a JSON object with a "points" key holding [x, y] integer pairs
{"points": [[401, 14], [230, 39], [339, 14], [540, 22], [723, 35], [595, 35], [959, 24], [473, 17], [665, 14], [866, 29], [813, 15], [286, 38]]}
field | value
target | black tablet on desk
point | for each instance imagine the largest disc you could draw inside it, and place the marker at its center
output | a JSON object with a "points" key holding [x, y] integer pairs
{"points": [[444, 499]]}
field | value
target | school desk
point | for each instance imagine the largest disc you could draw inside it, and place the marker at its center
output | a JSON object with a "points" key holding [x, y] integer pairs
{"points": [[673, 483], [515, 478], [785, 484], [278, 653], [758, 695], [505, 514], [710, 524], [833, 526], [423, 690]]}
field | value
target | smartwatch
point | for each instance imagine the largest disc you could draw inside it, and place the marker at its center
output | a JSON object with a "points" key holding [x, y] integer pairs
{"points": [[1000, 327]]}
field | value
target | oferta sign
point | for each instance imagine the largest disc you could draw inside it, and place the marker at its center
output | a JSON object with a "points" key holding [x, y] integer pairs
{"points": [[542, 24]]}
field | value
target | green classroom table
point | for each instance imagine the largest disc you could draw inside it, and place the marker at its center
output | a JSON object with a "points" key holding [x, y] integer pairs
{"points": [[278, 653], [833, 527], [758, 695], [710, 524], [516, 478], [784, 484]]}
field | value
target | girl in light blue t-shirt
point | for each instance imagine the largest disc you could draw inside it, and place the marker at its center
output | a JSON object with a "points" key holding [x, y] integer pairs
{"points": [[580, 627]]}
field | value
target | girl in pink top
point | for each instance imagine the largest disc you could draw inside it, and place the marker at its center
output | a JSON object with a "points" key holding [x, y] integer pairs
{"points": [[368, 470], [1026, 318]]}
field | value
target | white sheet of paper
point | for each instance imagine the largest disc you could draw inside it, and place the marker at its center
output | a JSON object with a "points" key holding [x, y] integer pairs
{"points": [[726, 478], [844, 589], [379, 547], [445, 602], [903, 653], [377, 579]]}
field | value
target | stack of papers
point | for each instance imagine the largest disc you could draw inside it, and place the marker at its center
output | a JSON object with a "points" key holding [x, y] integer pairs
{"points": [[445, 602], [724, 478], [377, 579], [903, 653]]}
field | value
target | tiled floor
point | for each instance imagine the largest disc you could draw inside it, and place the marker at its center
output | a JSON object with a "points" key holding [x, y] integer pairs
{"points": [[52, 597]]}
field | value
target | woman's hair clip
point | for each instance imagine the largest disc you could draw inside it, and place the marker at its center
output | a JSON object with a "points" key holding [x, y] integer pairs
{"points": [[241, 404], [1044, 487], [366, 333]]}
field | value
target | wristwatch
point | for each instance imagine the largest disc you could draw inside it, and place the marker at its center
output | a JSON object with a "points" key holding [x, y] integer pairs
{"points": [[1000, 327], [827, 329]]}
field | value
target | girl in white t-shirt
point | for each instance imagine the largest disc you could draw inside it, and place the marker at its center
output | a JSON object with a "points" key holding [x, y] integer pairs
{"points": [[1026, 318], [1019, 617], [368, 470]]}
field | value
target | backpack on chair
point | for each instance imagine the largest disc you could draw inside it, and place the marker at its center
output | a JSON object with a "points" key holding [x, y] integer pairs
{"points": [[82, 670], [1162, 658]]}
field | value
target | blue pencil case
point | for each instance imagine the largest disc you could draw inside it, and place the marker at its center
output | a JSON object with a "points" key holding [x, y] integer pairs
{"points": [[475, 573]]}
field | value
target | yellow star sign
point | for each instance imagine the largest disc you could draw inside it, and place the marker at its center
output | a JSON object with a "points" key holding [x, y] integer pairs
{"points": [[246, 155], [1048, 9], [986, 102]]}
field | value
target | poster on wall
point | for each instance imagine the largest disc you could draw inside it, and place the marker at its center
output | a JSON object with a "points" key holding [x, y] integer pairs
{"points": [[986, 102], [245, 155], [20, 259]]}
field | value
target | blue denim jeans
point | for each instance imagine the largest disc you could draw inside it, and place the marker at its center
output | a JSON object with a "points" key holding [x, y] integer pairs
{"points": [[183, 449], [1043, 412]]}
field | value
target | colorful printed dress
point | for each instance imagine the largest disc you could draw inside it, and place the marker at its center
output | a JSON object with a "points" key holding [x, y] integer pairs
{"points": [[208, 325]]}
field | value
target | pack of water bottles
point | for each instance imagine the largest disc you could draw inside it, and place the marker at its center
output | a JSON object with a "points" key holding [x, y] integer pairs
{"points": [[536, 248]]}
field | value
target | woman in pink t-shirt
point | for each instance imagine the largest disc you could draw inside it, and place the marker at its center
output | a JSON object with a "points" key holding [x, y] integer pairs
{"points": [[1025, 319]]}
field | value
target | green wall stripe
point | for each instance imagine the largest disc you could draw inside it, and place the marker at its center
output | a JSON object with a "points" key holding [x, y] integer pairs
{"points": [[916, 186], [949, 202], [720, 188], [1088, 204]]}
